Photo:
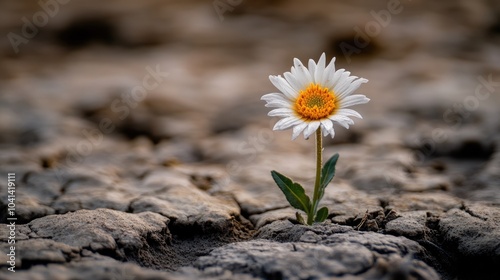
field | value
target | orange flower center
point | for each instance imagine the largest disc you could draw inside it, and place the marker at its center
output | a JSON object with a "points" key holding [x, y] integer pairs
{"points": [[315, 102]]}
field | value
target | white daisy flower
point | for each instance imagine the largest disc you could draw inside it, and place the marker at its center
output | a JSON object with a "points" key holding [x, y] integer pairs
{"points": [[314, 97]]}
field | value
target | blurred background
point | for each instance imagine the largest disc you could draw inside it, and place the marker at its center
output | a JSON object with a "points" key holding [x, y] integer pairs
{"points": [[125, 86]]}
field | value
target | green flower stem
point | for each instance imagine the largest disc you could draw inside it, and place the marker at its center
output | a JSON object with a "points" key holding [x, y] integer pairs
{"points": [[319, 156]]}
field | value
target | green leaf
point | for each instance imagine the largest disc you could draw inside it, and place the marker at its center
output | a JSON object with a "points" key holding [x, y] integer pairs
{"points": [[294, 192], [299, 218], [321, 215], [327, 174]]}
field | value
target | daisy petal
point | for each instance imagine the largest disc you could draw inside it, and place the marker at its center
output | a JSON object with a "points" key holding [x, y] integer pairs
{"points": [[341, 81], [275, 97], [298, 129], [331, 132], [332, 80], [311, 128], [351, 88], [320, 68], [281, 112], [352, 100], [343, 85], [342, 120], [327, 126], [294, 83], [276, 100], [272, 96], [283, 86], [329, 70], [348, 113], [312, 68], [286, 123], [302, 74], [278, 104]]}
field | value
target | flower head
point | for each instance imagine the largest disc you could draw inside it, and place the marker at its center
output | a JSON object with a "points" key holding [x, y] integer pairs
{"points": [[314, 97]]}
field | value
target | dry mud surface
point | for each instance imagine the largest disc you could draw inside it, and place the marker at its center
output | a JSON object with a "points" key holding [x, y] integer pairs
{"points": [[173, 182]]}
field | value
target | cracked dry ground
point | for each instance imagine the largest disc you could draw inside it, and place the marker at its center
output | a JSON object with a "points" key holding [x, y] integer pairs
{"points": [[180, 187]]}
